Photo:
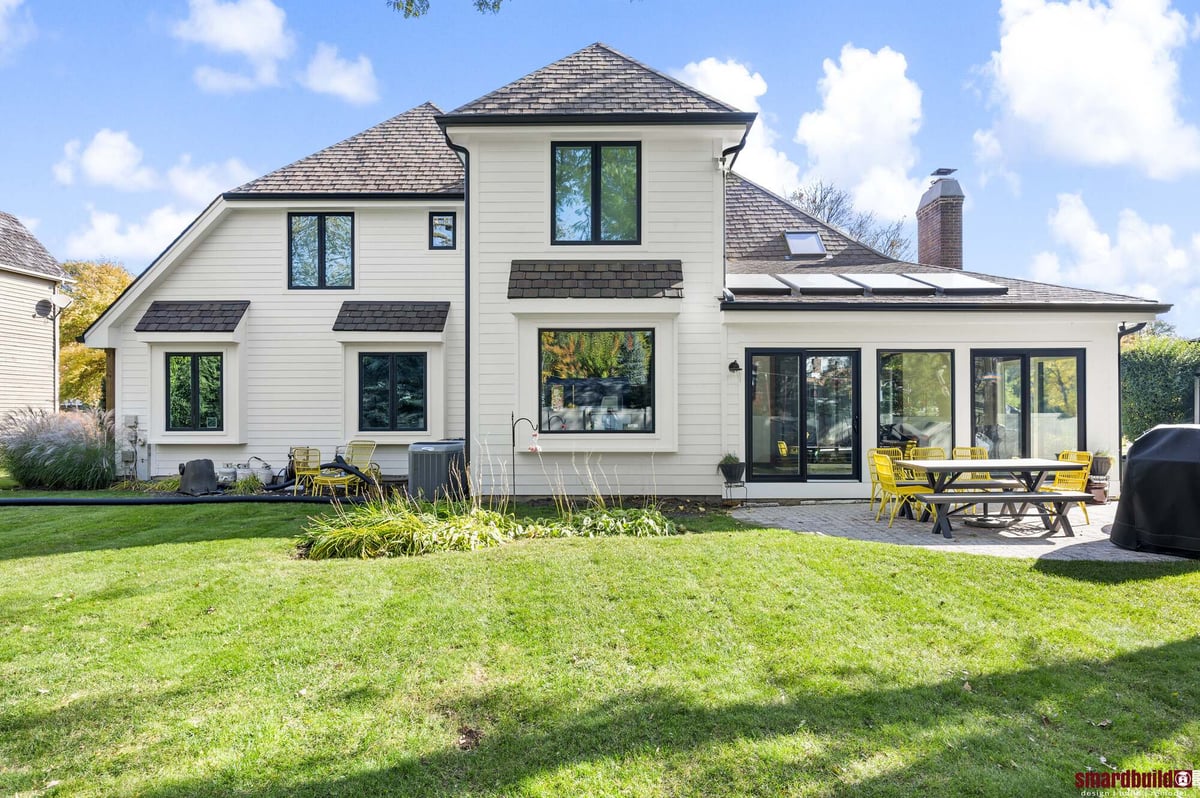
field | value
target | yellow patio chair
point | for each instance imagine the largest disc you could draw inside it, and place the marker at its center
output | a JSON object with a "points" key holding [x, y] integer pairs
{"points": [[358, 454], [892, 453], [306, 462], [897, 495], [972, 453], [927, 453], [1072, 480]]}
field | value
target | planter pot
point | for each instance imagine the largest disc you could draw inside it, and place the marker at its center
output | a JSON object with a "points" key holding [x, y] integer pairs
{"points": [[1101, 466], [1098, 487], [733, 472]]}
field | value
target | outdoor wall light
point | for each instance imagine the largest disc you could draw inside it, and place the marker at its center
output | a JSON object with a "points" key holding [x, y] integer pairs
{"points": [[734, 367]]}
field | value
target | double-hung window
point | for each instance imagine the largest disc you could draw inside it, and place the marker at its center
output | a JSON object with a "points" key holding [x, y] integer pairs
{"points": [[392, 391], [320, 250], [194, 392], [596, 193]]}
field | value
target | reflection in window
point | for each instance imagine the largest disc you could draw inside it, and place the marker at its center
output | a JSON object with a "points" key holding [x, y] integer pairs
{"points": [[596, 193], [596, 380], [916, 399], [321, 250], [391, 391], [1027, 404], [194, 392], [441, 230]]}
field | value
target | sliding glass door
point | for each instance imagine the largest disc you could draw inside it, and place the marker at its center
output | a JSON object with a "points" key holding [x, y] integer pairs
{"points": [[1028, 404], [802, 415]]}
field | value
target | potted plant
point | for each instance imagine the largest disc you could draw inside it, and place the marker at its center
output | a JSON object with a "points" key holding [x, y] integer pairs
{"points": [[1101, 463], [732, 468]]}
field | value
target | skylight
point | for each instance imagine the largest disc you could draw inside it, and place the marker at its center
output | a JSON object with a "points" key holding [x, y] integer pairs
{"points": [[804, 245]]}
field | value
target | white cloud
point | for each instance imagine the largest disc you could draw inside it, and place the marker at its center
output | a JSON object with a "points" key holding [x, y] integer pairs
{"points": [[989, 156], [107, 237], [31, 222], [253, 29], [1096, 83], [16, 27], [353, 81], [110, 159], [862, 137], [198, 185], [1141, 259], [733, 83]]}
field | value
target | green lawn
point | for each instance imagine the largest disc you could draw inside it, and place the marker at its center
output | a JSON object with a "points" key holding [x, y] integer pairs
{"points": [[165, 651]]}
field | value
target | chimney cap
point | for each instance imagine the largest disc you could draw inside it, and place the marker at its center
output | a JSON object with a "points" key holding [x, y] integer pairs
{"points": [[943, 171]]}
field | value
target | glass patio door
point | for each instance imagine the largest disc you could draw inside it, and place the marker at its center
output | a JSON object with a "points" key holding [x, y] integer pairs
{"points": [[1027, 404], [802, 415]]}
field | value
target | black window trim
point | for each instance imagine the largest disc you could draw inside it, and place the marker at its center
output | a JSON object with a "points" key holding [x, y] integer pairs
{"points": [[1080, 356], [596, 146], [650, 378], [195, 369], [391, 356], [453, 230], [321, 216], [879, 354]]}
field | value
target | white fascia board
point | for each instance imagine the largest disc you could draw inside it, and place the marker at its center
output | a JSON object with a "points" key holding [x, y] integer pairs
{"points": [[384, 336], [31, 273], [97, 336], [567, 308]]}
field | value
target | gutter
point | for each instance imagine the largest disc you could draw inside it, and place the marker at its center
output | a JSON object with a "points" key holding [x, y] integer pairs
{"points": [[1092, 307], [465, 155]]}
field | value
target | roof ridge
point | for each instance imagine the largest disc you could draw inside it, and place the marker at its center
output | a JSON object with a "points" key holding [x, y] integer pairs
{"points": [[664, 75]]}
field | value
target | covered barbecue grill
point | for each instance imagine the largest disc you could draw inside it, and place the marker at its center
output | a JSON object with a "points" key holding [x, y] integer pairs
{"points": [[1160, 493]]}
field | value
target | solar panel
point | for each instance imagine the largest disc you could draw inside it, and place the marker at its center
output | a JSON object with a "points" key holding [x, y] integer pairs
{"points": [[821, 284], [888, 283], [958, 284], [804, 244], [755, 284]]}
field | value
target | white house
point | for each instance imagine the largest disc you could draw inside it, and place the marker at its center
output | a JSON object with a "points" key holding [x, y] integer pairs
{"points": [[576, 249], [30, 300]]}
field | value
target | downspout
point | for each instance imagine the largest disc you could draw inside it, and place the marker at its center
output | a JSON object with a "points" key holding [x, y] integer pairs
{"points": [[465, 156], [727, 163], [725, 169], [1121, 333]]}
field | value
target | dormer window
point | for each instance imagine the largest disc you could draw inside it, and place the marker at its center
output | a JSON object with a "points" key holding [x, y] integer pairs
{"points": [[804, 245], [596, 193]]}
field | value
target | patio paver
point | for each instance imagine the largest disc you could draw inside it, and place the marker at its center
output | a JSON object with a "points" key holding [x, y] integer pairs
{"points": [[855, 520]]}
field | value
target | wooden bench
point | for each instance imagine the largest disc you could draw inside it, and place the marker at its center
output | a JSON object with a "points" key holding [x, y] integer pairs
{"points": [[1051, 506]]}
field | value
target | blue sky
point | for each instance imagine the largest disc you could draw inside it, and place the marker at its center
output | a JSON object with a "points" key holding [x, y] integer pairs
{"points": [[1075, 126]]}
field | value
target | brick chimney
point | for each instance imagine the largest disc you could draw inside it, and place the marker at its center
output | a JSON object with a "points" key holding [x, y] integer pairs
{"points": [[939, 222]]}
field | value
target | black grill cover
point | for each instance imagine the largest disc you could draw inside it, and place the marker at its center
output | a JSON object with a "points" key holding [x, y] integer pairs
{"points": [[1160, 493]]}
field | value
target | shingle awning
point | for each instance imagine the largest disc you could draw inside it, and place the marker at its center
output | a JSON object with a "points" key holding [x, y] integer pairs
{"points": [[222, 317], [392, 317], [615, 279]]}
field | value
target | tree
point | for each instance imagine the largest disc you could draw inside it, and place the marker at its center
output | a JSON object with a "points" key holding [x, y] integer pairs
{"points": [[418, 8], [835, 207], [96, 286], [1157, 382]]}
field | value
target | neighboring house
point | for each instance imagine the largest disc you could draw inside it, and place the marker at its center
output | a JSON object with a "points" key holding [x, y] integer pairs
{"points": [[30, 300], [573, 248]]}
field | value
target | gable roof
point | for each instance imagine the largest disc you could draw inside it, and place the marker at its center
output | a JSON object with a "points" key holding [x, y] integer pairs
{"points": [[596, 84], [404, 156], [21, 252], [756, 218], [192, 316]]}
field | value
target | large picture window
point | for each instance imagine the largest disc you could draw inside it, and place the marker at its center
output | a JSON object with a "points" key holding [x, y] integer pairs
{"points": [[392, 391], [597, 194], [194, 401], [320, 250], [596, 380], [1028, 404], [916, 398]]}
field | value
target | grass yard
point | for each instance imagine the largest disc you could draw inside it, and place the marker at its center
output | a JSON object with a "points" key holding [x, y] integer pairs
{"points": [[164, 651]]}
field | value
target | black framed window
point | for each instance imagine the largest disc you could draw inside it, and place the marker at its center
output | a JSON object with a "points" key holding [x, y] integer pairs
{"points": [[320, 250], [916, 398], [442, 230], [597, 194], [194, 388], [392, 391], [1028, 403], [596, 380]]}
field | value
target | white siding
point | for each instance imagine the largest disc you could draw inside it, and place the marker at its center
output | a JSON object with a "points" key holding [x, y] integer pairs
{"points": [[292, 365], [28, 375]]}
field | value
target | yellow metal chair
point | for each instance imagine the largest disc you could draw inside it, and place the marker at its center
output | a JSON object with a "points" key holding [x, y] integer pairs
{"points": [[358, 454], [927, 453], [897, 495], [306, 462], [1072, 480], [892, 453], [972, 453]]}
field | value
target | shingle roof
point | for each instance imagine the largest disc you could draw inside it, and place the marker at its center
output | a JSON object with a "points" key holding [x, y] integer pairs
{"points": [[622, 279], [20, 250], [407, 154], [593, 81], [192, 316], [392, 316]]}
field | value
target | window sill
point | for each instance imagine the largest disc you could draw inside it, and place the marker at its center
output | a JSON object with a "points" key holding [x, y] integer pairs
{"points": [[584, 443]]}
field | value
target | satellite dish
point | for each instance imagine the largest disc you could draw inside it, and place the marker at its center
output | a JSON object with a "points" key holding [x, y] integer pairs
{"points": [[61, 301], [43, 308]]}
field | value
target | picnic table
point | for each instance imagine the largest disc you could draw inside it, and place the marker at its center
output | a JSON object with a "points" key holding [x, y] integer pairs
{"points": [[1025, 478]]}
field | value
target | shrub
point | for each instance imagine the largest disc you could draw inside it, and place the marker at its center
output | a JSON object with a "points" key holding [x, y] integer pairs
{"points": [[1157, 382], [246, 486], [404, 528], [61, 451]]}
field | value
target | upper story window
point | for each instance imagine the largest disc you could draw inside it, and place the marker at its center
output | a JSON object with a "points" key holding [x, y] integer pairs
{"points": [[442, 230], [320, 250], [194, 401], [597, 193]]}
